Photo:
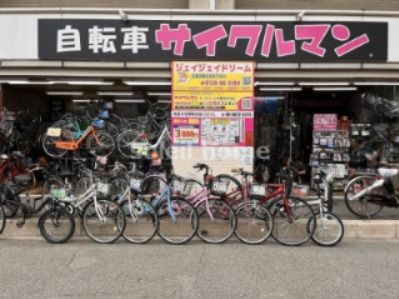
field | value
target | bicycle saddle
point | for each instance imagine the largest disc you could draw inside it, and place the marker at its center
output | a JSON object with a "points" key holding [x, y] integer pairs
{"points": [[23, 180], [387, 172]]}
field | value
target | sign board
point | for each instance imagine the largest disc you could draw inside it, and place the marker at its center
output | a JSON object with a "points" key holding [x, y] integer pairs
{"points": [[154, 40]]}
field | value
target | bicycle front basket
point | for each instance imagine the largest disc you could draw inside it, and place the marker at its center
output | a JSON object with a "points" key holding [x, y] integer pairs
{"points": [[103, 189], [135, 184], [258, 190], [219, 187]]}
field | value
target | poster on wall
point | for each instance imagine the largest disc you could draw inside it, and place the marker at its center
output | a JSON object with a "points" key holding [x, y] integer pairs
{"points": [[218, 97], [325, 122]]}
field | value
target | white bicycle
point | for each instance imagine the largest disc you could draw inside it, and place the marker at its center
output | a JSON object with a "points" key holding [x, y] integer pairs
{"points": [[103, 220], [134, 145]]}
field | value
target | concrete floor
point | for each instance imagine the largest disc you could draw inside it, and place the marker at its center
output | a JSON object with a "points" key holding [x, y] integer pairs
{"points": [[80, 269]]}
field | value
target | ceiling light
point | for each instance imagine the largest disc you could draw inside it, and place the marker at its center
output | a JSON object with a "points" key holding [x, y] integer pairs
{"points": [[164, 101], [115, 93], [64, 93], [83, 82], [334, 88], [270, 98], [81, 101], [260, 83], [125, 101], [280, 88], [138, 83], [371, 83], [319, 83], [158, 93], [26, 82]]}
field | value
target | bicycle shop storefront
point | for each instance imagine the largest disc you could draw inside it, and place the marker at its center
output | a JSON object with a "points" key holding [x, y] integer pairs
{"points": [[242, 92]]}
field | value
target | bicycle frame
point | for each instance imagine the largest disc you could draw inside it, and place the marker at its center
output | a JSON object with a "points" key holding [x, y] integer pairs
{"points": [[201, 196], [73, 145]]}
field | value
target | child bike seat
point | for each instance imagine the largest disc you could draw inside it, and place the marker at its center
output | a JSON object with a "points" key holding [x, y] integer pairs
{"points": [[387, 172]]}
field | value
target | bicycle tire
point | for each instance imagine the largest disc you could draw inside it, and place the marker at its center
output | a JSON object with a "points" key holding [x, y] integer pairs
{"points": [[8, 200], [361, 208], [222, 227], [91, 221], [146, 217], [48, 145], [246, 213], [331, 220], [123, 143], [174, 236], [54, 216], [3, 219], [296, 222]]}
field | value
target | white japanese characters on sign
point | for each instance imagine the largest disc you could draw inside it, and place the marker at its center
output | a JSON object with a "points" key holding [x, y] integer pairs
{"points": [[101, 39], [135, 38], [68, 39]]}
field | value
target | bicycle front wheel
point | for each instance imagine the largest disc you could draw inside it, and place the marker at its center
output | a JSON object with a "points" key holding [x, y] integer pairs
{"points": [[217, 221], [254, 223], [50, 149], [57, 226], [141, 221], [103, 221], [329, 229], [179, 224], [291, 218]]}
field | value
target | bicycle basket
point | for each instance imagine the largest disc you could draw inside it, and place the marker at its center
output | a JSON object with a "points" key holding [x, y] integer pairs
{"points": [[58, 192], [181, 187], [104, 114], [219, 187], [135, 184], [98, 123], [103, 189], [258, 190], [300, 190]]}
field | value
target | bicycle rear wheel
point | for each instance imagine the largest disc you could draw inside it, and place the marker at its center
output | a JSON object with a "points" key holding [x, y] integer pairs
{"points": [[124, 144], [49, 148], [103, 221], [179, 224], [141, 222], [2, 218], [57, 226], [362, 206], [291, 219], [221, 227], [329, 229], [254, 223]]}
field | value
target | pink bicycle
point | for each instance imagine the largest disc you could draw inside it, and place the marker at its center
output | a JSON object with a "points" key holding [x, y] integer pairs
{"points": [[217, 220]]}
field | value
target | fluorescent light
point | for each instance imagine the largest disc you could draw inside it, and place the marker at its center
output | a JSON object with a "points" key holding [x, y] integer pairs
{"points": [[27, 82], [164, 101], [270, 98], [159, 93], [319, 83], [115, 93], [371, 83], [64, 93], [83, 82], [81, 101], [259, 83], [280, 88], [334, 88], [138, 83], [130, 101]]}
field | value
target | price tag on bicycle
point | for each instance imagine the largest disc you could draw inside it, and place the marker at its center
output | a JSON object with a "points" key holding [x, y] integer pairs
{"points": [[103, 188], [219, 187], [53, 132]]}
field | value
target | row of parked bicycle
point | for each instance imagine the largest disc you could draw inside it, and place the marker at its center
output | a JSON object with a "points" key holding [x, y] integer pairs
{"points": [[91, 129], [117, 200]]}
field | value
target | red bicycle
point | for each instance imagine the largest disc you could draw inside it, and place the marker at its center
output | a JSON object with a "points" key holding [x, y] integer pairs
{"points": [[291, 215]]}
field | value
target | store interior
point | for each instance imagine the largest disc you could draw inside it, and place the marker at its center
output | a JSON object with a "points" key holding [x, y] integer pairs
{"points": [[352, 119]]}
